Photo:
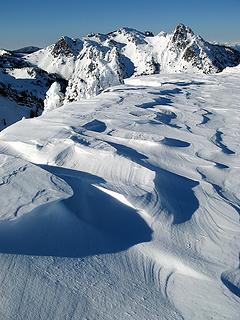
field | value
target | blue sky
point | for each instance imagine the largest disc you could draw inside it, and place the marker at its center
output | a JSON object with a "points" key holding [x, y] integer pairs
{"points": [[41, 22]]}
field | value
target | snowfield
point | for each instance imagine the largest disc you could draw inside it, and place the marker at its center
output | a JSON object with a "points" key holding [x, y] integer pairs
{"points": [[10, 112], [125, 205]]}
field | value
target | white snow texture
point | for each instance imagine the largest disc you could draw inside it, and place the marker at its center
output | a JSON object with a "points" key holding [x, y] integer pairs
{"points": [[125, 206], [121, 200]]}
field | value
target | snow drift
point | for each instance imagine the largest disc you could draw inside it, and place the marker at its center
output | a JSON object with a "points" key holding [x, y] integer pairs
{"points": [[139, 217]]}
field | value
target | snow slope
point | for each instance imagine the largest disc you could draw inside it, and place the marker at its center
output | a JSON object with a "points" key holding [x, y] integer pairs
{"points": [[143, 222], [57, 58], [10, 112]]}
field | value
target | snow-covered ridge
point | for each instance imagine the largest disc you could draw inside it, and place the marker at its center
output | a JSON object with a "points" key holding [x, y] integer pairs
{"points": [[101, 60], [83, 68], [125, 205], [4, 52], [179, 51]]}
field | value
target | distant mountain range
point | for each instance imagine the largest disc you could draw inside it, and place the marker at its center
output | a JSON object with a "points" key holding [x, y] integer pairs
{"points": [[72, 69]]}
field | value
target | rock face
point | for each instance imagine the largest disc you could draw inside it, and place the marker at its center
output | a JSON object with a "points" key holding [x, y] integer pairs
{"points": [[24, 83], [190, 52], [82, 68], [66, 47], [97, 68]]}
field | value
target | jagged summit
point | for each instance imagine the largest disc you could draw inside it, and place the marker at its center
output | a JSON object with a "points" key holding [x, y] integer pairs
{"points": [[182, 28], [180, 51], [66, 46], [182, 35]]}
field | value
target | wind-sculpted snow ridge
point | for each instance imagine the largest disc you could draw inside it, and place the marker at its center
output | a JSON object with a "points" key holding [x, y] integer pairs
{"points": [[32, 186], [126, 205]]}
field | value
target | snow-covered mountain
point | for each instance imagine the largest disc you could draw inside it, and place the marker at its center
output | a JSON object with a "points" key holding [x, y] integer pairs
{"points": [[23, 87], [124, 205], [138, 53], [82, 68]]}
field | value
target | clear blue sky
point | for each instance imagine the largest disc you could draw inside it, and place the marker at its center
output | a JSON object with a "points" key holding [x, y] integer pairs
{"points": [[41, 22]]}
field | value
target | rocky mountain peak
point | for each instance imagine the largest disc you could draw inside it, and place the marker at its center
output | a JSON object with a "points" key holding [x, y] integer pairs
{"points": [[182, 29], [67, 47], [131, 35], [182, 35], [98, 61], [62, 47]]}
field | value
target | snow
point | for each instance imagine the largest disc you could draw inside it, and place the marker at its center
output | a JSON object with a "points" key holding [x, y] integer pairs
{"points": [[61, 64], [10, 112], [23, 73], [232, 70], [139, 218], [3, 52], [17, 175], [29, 80], [54, 97], [96, 69], [99, 61], [44, 60]]}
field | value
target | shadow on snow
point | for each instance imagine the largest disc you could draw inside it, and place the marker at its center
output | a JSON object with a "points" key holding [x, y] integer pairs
{"points": [[175, 193], [90, 222]]}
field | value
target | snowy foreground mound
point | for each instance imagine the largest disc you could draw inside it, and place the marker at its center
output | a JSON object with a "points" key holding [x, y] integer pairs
{"points": [[125, 206]]}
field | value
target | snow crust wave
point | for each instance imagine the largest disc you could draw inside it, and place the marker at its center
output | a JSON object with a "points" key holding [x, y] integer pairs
{"points": [[140, 214]]}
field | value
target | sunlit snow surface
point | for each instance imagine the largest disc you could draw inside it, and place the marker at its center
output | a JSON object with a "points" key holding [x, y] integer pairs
{"points": [[139, 217]]}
